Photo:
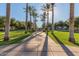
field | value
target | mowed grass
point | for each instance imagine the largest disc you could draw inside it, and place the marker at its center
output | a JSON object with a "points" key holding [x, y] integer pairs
{"points": [[64, 37], [15, 37]]}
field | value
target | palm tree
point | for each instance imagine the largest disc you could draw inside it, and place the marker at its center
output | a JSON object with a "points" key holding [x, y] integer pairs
{"points": [[35, 21], [43, 17], [34, 14], [52, 4], [71, 23], [30, 12], [26, 18], [47, 9], [7, 22]]}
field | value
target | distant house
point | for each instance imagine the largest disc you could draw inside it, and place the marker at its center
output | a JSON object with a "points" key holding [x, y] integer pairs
{"points": [[61, 28]]}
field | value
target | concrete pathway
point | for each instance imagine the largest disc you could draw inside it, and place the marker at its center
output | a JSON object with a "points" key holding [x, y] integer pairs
{"points": [[30, 47], [38, 45], [62, 50]]}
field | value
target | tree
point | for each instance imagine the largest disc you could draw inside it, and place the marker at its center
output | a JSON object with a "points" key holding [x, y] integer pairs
{"points": [[77, 23], [61, 25], [26, 18], [52, 16], [71, 23], [7, 22], [46, 8], [2, 19], [12, 23], [34, 14], [43, 17], [29, 24], [30, 13]]}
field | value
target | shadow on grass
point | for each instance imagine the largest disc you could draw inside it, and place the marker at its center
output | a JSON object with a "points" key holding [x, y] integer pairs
{"points": [[76, 44], [68, 52], [4, 53], [13, 41], [45, 47]]}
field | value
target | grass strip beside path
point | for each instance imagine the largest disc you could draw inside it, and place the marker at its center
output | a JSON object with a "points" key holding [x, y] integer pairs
{"points": [[15, 37], [63, 37]]}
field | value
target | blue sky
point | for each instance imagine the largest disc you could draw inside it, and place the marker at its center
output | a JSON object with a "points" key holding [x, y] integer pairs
{"points": [[61, 11]]}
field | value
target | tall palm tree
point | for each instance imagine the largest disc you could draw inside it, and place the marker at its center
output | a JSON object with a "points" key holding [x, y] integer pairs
{"points": [[35, 21], [43, 17], [30, 8], [26, 18], [46, 8], [44, 12], [34, 14], [52, 4], [7, 22], [30, 12], [71, 23]]}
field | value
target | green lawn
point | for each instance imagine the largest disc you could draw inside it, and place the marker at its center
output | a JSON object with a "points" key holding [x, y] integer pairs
{"points": [[63, 37], [15, 37]]}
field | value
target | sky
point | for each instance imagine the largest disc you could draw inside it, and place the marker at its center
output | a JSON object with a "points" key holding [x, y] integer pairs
{"points": [[61, 11]]}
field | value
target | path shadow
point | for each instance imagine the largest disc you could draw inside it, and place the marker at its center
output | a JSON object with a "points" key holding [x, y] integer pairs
{"points": [[45, 47], [4, 53], [28, 51], [68, 52]]}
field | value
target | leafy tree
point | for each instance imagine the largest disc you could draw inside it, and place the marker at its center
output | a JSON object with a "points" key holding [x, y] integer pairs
{"points": [[2, 19], [77, 22], [61, 24]]}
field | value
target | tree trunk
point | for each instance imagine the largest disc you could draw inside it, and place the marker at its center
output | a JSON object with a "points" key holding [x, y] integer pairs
{"points": [[44, 20], [44, 24], [47, 20], [34, 18], [30, 16], [52, 16], [71, 23], [26, 28], [30, 21], [35, 24], [7, 22]]}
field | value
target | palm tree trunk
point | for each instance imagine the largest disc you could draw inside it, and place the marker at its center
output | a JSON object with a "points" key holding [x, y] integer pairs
{"points": [[30, 20], [26, 28], [52, 16], [7, 22], [44, 24], [71, 24], [35, 24], [30, 17], [44, 20], [47, 20]]}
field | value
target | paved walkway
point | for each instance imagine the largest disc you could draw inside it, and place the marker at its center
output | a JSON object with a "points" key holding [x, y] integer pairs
{"points": [[38, 45]]}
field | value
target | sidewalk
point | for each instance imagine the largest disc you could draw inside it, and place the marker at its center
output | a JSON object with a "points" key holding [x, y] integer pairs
{"points": [[62, 50], [39, 45], [31, 47]]}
